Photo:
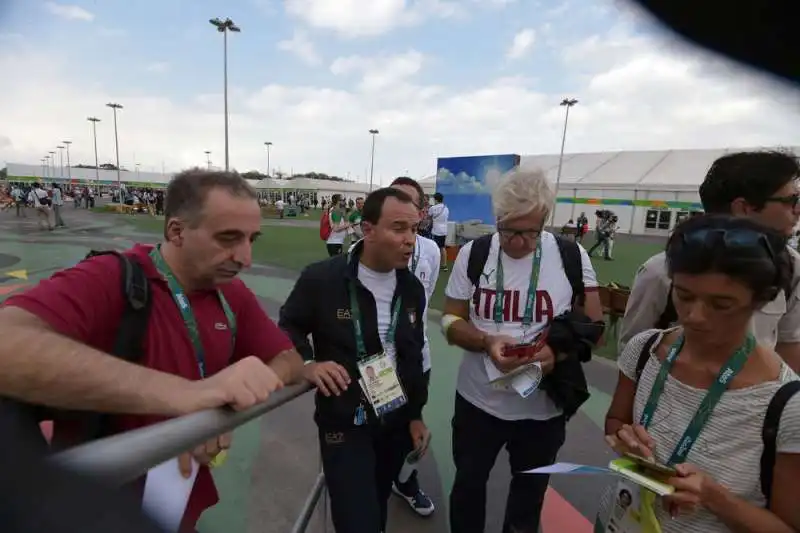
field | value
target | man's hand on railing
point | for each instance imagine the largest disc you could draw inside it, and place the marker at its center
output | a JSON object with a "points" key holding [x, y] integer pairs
{"points": [[242, 385], [204, 454]]}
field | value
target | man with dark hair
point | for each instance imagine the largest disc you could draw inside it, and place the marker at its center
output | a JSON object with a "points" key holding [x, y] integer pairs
{"points": [[440, 215], [364, 309], [203, 325], [338, 224], [760, 185]]}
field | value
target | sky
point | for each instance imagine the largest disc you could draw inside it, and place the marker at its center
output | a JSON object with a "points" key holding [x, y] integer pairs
{"points": [[436, 78]]}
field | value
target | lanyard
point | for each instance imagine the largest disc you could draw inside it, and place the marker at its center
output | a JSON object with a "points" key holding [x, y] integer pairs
{"points": [[415, 257], [712, 397], [182, 301], [530, 300], [355, 313]]}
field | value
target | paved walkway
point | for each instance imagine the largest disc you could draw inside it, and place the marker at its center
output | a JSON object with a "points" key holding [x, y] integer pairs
{"points": [[274, 460]]}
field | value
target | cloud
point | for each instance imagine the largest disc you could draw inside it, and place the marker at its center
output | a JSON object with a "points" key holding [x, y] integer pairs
{"points": [[158, 67], [380, 72], [302, 47], [69, 12], [460, 183], [359, 18], [522, 43], [635, 92]]}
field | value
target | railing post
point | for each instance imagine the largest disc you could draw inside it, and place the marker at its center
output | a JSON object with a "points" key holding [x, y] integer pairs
{"points": [[301, 525]]}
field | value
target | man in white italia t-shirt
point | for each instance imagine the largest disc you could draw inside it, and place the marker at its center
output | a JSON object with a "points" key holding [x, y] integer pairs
{"points": [[439, 214], [522, 259]]}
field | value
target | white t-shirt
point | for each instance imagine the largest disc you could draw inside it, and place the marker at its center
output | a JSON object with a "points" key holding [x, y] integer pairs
{"points": [[553, 297], [36, 196], [337, 236], [279, 205], [382, 286], [439, 214], [428, 261]]}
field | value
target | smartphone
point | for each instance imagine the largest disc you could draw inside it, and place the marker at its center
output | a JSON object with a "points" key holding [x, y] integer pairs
{"points": [[523, 349], [652, 466], [527, 349]]}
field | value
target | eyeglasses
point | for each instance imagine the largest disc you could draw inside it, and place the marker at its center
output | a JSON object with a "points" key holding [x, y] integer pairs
{"points": [[509, 233], [790, 200], [731, 238]]}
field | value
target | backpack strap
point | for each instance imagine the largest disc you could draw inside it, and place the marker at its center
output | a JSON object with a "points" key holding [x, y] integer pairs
{"points": [[644, 355], [132, 328], [478, 254], [136, 293], [769, 434], [573, 268]]}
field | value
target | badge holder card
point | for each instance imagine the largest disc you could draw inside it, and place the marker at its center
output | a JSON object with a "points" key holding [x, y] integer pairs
{"points": [[383, 388]]}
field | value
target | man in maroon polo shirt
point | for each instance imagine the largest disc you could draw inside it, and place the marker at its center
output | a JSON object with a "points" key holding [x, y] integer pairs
{"points": [[202, 318]]}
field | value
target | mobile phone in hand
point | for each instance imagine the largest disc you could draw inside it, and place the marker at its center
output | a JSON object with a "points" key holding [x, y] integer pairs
{"points": [[652, 466]]}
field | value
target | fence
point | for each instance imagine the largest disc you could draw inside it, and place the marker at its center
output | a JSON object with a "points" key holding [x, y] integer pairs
{"points": [[125, 457]]}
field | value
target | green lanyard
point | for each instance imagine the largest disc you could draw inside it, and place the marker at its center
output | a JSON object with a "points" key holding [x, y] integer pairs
{"points": [[182, 301], [530, 301], [355, 314], [712, 397], [415, 257]]}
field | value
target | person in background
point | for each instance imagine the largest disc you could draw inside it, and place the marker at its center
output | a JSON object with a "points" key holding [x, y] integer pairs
{"points": [[583, 226], [523, 287], [19, 200], [758, 185], [424, 264], [439, 214], [58, 205], [40, 201], [202, 319], [364, 309], [339, 226], [672, 409], [355, 220]]}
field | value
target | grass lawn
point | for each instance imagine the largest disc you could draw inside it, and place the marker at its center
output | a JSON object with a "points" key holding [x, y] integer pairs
{"points": [[294, 247]]}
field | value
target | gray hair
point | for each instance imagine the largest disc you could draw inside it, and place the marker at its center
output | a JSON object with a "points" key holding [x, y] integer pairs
{"points": [[522, 191]]}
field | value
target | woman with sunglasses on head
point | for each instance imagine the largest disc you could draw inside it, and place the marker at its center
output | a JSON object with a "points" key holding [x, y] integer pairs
{"points": [[695, 397]]}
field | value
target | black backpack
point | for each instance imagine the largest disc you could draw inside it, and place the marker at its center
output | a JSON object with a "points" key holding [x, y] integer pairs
{"points": [[570, 256], [128, 346], [772, 419]]}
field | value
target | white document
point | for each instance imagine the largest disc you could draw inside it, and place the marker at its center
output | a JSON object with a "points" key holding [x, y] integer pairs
{"points": [[166, 494], [568, 468]]}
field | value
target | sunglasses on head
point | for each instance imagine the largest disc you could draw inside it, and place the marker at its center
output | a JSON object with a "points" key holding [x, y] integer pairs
{"points": [[730, 238]]}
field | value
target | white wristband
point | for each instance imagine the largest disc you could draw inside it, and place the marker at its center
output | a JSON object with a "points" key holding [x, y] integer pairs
{"points": [[448, 321]]}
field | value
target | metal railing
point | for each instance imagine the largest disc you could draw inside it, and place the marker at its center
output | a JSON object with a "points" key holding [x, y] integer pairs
{"points": [[122, 458]]}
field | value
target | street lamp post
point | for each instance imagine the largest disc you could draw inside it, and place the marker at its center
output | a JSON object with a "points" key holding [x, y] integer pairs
{"points": [[268, 144], [69, 166], [372, 158], [208, 159], [53, 161], [116, 138], [224, 26], [568, 103], [44, 167], [94, 121], [60, 161]]}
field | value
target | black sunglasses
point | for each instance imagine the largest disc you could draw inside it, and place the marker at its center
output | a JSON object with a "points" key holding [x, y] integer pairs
{"points": [[731, 238], [790, 200]]}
